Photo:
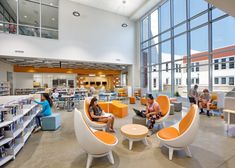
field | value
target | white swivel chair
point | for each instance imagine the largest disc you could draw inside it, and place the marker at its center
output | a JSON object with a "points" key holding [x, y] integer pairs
{"points": [[87, 116], [164, 103], [180, 135], [95, 143]]}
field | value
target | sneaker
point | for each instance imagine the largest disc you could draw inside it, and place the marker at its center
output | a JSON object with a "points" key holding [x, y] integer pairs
{"points": [[111, 130], [201, 112], [150, 133], [37, 129]]}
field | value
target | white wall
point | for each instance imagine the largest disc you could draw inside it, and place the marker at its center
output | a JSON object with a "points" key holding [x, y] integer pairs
{"points": [[95, 36], [4, 68], [22, 80]]}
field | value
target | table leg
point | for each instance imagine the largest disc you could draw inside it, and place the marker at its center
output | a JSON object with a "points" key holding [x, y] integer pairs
{"points": [[68, 105], [130, 144], [145, 141]]}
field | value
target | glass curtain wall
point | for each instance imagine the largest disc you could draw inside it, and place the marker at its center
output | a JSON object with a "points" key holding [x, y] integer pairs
{"points": [[38, 18], [184, 43]]}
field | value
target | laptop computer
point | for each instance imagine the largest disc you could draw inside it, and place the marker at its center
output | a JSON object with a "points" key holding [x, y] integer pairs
{"points": [[139, 113]]}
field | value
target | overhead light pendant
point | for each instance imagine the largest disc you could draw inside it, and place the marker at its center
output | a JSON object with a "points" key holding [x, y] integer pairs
{"points": [[124, 25], [124, 9], [76, 14]]}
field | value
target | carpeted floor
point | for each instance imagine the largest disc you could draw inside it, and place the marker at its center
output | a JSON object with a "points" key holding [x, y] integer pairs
{"points": [[211, 149]]}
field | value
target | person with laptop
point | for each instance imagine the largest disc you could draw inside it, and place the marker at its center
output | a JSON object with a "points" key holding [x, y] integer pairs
{"points": [[153, 111]]}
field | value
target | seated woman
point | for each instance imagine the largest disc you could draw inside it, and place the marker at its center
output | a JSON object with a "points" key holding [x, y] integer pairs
{"points": [[153, 111], [46, 109], [205, 101], [97, 114]]}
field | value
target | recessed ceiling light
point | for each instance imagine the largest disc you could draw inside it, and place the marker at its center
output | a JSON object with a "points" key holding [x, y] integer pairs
{"points": [[76, 13], [51, 4], [92, 75], [53, 19], [25, 16], [124, 25]]}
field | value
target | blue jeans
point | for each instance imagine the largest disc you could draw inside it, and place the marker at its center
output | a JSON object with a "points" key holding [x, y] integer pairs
{"points": [[38, 119]]}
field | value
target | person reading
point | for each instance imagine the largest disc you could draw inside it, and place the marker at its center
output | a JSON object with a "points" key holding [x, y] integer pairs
{"points": [[97, 114]]}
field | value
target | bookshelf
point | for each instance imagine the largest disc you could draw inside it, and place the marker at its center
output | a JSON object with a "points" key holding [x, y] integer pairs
{"points": [[17, 122], [4, 88]]}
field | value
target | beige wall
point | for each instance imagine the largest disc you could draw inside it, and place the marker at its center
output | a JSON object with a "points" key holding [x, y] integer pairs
{"points": [[4, 68]]}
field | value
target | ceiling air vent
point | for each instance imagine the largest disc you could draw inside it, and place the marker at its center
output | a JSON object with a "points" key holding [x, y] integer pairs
{"points": [[118, 60], [19, 51]]}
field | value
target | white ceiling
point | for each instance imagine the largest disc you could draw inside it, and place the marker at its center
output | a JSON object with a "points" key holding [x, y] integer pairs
{"points": [[115, 6], [37, 63]]}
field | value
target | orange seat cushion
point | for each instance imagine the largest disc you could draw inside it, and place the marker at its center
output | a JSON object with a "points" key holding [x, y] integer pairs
{"points": [[132, 100], [143, 101], [213, 107], [97, 122], [187, 120], [105, 137], [214, 96], [164, 104], [104, 106], [116, 101], [118, 109], [87, 104], [168, 133]]}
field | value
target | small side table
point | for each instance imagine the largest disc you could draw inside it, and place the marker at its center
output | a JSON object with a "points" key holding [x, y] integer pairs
{"points": [[132, 100], [134, 132], [177, 106], [172, 109], [228, 122]]}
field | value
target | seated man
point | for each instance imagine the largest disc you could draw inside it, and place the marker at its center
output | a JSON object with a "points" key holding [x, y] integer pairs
{"points": [[205, 101]]}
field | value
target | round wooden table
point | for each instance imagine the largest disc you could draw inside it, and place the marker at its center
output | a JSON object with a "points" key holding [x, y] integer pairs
{"points": [[134, 132]]}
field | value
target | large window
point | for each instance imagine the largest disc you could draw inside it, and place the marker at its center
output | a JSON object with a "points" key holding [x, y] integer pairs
{"points": [[231, 62], [145, 29], [223, 64], [37, 18], [231, 81], [216, 65], [191, 42], [166, 66], [179, 11], [196, 7], [165, 16], [8, 16]]}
